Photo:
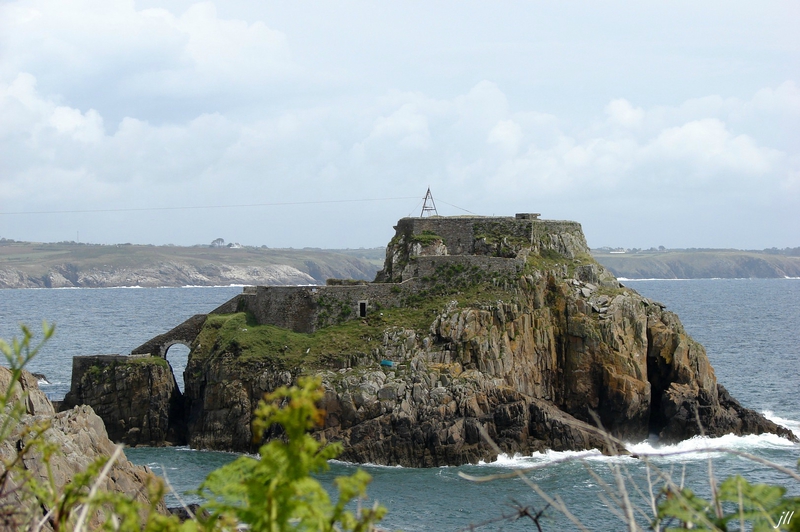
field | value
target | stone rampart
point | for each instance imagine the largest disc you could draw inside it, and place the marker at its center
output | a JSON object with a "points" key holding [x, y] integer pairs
{"points": [[429, 267], [461, 233], [306, 308]]}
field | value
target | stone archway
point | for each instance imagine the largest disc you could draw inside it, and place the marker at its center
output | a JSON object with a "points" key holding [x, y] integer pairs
{"points": [[176, 353]]}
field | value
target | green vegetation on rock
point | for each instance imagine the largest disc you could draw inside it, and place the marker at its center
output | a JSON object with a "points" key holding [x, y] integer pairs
{"points": [[426, 238]]}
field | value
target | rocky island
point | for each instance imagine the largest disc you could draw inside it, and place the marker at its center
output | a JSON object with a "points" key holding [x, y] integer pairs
{"points": [[503, 327]]}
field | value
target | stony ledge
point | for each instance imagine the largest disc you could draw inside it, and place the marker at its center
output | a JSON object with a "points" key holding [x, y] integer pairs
{"points": [[514, 333]]}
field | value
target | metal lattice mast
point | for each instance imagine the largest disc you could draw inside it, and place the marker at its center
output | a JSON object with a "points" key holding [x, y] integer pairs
{"points": [[429, 205]]}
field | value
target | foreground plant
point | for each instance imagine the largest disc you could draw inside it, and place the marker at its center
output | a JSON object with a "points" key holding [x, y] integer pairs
{"points": [[276, 491]]}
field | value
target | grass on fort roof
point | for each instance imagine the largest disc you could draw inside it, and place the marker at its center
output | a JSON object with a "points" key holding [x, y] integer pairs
{"points": [[241, 336]]}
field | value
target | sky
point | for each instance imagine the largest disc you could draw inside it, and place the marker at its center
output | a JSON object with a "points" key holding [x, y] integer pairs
{"points": [[320, 124]]}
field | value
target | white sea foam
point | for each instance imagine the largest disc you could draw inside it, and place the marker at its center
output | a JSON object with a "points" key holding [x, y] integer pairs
{"points": [[790, 424], [207, 286], [650, 279], [549, 456], [686, 450], [367, 465]]}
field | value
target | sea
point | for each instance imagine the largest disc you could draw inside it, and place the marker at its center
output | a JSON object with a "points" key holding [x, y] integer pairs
{"points": [[749, 327]]}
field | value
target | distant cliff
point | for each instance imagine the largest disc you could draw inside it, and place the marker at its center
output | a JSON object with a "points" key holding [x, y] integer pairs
{"points": [[498, 327], [700, 264], [30, 265]]}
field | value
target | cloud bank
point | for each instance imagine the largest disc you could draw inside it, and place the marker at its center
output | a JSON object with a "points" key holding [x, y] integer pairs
{"points": [[107, 106]]}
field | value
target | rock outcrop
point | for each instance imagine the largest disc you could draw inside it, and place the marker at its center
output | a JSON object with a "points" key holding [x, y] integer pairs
{"points": [[137, 397], [79, 437], [480, 328]]}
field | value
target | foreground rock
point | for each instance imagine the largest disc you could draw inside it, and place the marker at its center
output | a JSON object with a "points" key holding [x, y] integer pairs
{"points": [[79, 437], [480, 328]]}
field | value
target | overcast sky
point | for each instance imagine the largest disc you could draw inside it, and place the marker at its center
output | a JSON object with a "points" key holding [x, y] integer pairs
{"points": [[650, 123]]}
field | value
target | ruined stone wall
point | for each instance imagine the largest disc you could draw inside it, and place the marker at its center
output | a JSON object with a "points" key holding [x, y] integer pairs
{"points": [[428, 267], [307, 308], [461, 233], [563, 237], [457, 232], [289, 307], [341, 303]]}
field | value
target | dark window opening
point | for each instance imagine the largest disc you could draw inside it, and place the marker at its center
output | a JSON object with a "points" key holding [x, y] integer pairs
{"points": [[362, 309]]}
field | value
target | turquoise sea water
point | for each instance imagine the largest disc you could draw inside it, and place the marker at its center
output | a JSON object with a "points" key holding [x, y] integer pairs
{"points": [[749, 327]]}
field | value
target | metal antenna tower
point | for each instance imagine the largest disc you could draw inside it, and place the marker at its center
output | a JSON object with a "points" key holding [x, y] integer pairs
{"points": [[429, 205]]}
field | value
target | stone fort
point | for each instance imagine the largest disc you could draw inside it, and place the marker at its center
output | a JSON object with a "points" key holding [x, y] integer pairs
{"points": [[496, 246]]}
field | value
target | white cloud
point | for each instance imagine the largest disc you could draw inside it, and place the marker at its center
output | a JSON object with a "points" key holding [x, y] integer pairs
{"points": [[784, 99], [708, 148], [621, 112], [507, 134], [75, 47], [89, 92], [406, 127]]}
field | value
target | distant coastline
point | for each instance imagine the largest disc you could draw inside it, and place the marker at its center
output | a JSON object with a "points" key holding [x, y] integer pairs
{"points": [[701, 264], [74, 265]]}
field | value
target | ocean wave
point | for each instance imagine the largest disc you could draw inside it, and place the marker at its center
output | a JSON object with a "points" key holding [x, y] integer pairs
{"points": [[687, 450], [652, 279], [516, 461], [790, 424], [209, 286], [367, 465], [695, 448]]}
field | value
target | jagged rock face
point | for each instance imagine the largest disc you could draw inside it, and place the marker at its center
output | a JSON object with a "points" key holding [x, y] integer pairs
{"points": [[527, 372], [36, 402], [137, 398], [221, 396], [80, 438]]}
